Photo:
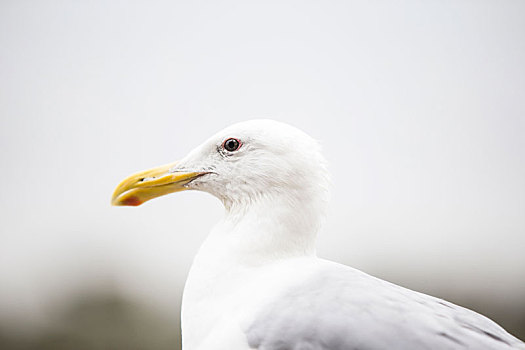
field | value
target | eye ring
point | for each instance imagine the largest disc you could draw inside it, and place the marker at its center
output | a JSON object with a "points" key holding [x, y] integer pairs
{"points": [[232, 144]]}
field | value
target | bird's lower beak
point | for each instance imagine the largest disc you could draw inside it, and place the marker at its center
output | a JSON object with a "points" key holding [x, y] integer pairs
{"points": [[145, 185]]}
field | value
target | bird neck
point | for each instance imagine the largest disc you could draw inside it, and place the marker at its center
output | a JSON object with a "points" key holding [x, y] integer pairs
{"points": [[272, 227]]}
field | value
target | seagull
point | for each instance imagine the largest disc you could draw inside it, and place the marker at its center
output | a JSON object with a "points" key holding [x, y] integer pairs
{"points": [[256, 282]]}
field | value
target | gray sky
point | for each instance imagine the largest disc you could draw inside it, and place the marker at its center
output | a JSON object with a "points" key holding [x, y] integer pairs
{"points": [[420, 107]]}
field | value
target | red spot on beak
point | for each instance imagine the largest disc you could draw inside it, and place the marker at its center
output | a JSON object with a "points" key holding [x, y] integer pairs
{"points": [[132, 201]]}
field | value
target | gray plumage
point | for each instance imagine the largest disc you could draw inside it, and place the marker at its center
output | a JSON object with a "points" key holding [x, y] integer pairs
{"points": [[340, 308]]}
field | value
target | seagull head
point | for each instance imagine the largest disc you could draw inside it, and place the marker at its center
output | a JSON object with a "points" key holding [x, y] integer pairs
{"points": [[243, 164]]}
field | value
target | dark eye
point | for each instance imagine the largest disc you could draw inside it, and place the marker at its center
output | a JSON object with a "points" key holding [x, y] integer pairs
{"points": [[231, 145]]}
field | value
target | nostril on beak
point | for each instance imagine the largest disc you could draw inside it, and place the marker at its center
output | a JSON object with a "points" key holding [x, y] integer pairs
{"points": [[147, 178]]}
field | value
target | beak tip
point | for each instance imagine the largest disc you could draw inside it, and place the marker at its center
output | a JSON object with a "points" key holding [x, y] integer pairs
{"points": [[131, 201]]}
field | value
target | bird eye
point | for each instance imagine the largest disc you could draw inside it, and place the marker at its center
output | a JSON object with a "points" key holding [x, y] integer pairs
{"points": [[231, 145]]}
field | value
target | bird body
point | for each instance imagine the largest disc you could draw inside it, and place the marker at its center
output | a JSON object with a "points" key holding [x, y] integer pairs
{"points": [[256, 282], [303, 302]]}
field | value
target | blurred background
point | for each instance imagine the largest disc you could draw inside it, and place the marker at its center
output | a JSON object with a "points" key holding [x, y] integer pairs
{"points": [[420, 107]]}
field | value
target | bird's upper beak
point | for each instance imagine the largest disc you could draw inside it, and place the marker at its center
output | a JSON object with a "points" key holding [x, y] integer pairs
{"points": [[148, 184]]}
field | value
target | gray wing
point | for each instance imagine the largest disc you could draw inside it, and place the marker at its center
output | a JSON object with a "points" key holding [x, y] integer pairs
{"points": [[340, 308]]}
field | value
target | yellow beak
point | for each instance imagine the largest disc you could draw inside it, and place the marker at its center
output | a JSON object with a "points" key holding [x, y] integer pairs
{"points": [[145, 185]]}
